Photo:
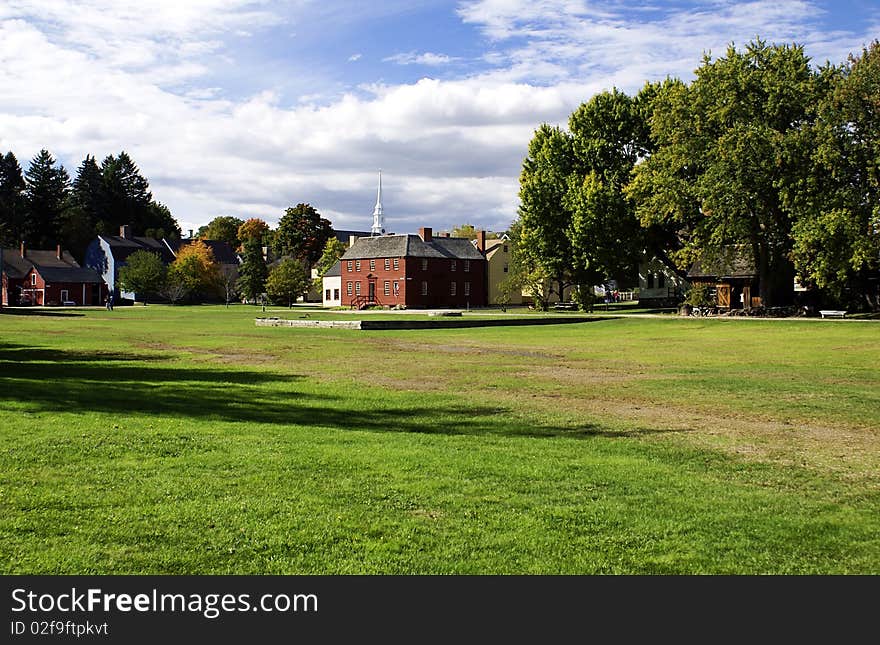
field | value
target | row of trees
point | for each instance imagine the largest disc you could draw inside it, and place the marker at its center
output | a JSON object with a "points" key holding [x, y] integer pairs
{"points": [[44, 207], [761, 150], [195, 274]]}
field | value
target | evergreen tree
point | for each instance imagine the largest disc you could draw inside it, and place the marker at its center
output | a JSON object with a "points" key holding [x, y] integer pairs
{"points": [[79, 222], [12, 203], [46, 196], [253, 271]]}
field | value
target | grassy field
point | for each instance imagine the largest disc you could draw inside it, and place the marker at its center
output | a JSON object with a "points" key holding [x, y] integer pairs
{"points": [[189, 441]]}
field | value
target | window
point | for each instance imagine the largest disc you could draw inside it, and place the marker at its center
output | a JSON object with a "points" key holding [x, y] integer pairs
{"points": [[387, 288], [396, 264], [348, 288], [424, 288], [452, 288], [372, 265], [349, 265], [452, 265], [661, 280], [504, 249], [467, 266], [327, 294], [357, 288], [336, 294], [396, 288], [33, 279], [424, 264], [357, 265], [467, 288], [650, 281], [388, 264], [505, 267]]}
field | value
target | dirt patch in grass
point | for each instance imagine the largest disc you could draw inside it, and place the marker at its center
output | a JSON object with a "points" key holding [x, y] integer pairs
{"points": [[851, 452]]}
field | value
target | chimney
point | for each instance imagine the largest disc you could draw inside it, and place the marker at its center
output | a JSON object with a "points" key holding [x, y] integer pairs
{"points": [[481, 241], [352, 239], [58, 251], [190, 234], [125, 232], [426, 234], [22, 249]]}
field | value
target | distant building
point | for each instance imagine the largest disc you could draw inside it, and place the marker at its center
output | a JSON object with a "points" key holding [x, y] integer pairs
{"points": [[332, 286], [413, 271], [108, 253], [39, 277]]}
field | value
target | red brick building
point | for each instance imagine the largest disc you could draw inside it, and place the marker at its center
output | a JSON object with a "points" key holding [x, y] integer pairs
{"points": [[415, 271]]}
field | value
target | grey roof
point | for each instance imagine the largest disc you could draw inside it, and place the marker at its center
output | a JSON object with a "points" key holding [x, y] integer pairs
{"points": [[122, 247], [49, 265], [344, 236], [335, 270], [17, 266], [70, 274], [412, 246]]}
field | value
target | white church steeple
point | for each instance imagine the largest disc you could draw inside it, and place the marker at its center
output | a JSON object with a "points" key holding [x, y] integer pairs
{"points": [[378, 227]]}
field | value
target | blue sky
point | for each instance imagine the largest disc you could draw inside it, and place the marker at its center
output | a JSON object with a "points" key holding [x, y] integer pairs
{"points": [[246, 107]]}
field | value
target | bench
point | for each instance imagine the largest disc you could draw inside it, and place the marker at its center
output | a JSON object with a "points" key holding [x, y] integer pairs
{"points": [[565, 306], [68, 303], [832, 313]]}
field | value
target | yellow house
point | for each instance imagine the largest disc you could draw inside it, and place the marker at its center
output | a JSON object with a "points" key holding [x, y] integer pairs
{"points": [[497, 253]]}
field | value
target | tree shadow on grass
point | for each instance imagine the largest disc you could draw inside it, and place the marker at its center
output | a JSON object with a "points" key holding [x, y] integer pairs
{"points": [[6, 311], [127, 384]]}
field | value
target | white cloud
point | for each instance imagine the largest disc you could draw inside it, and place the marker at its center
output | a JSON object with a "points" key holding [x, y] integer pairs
{"points": [[149, 78], [426, 58], [354, 57]]}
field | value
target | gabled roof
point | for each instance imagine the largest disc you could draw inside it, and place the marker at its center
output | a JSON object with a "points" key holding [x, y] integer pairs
{"points": [[412, 246], [122, 247], [69, 274], [17, 266], [334, 271]]}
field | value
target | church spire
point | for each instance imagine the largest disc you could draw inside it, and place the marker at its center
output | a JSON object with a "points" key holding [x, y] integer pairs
{"points": [[378, 227]]}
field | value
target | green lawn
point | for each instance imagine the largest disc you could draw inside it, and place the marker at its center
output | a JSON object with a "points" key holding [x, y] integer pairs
{"points": [[186, 440]]}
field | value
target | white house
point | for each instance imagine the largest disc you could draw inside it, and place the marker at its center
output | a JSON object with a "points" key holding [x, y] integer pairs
{"points": [[332, 286]]}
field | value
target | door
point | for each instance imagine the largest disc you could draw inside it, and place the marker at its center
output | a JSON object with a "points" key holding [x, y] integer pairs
{"points": [[372, 291], [723, 295], [64, 296]]}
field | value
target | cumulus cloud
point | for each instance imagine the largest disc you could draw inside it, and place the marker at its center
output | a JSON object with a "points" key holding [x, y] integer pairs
{"points": [[154, 79]]}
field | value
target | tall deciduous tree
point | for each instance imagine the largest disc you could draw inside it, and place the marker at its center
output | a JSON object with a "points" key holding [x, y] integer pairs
{"points": [[302, 234], [46, 196], [252, 272], [544, 245], [734, 143], [837, 235]]}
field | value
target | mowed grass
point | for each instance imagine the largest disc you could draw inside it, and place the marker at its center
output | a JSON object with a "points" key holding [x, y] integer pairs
{"points": [[176, 440]]}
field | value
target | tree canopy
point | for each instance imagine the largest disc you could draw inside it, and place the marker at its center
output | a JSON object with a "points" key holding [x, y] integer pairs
{"points": [[143, 273], [761, 151], [302, 234]]}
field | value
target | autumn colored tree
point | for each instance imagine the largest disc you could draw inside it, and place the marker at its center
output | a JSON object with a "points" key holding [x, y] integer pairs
{"points": [[195, 270], [253, 229]]}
